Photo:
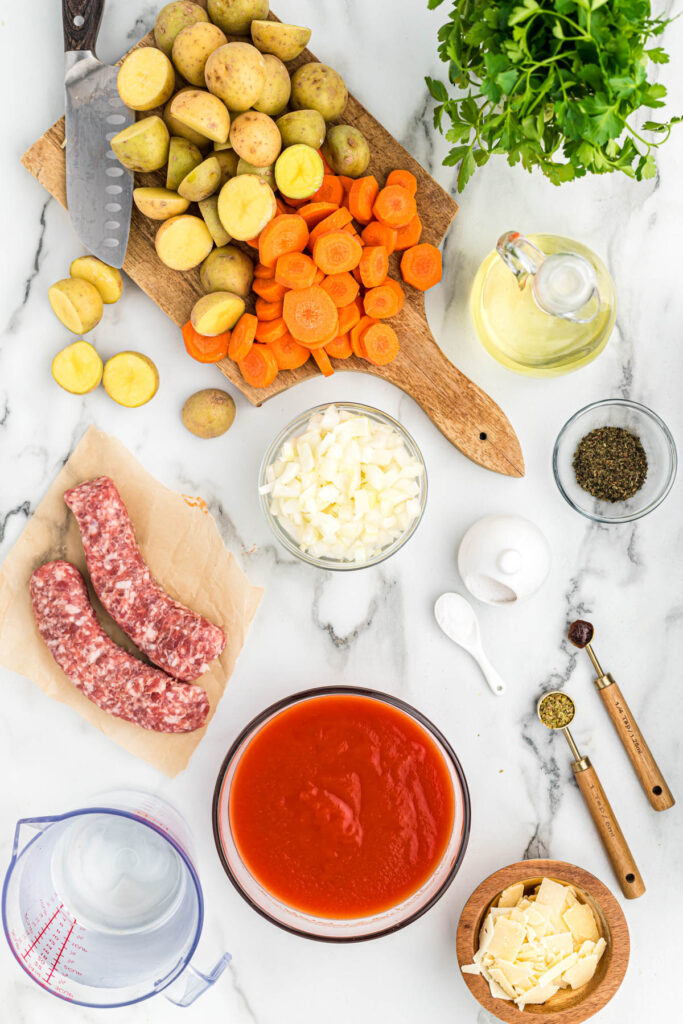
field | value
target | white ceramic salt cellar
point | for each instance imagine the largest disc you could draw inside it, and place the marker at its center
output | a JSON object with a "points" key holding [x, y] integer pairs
{"points": [[503, 559]]}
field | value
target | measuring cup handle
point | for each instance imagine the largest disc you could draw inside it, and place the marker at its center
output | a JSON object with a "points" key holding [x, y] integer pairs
{"points": [[191, 984], [31, 825]]}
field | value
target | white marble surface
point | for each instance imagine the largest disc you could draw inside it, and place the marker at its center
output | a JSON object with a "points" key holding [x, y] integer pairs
{"points": [[373, 627]]}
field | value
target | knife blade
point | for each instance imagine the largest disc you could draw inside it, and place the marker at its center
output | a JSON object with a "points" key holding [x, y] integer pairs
{"points": [[99, 191]]}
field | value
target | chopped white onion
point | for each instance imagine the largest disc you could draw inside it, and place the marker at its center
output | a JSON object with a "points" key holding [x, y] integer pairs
{"points": [[346, 487]]}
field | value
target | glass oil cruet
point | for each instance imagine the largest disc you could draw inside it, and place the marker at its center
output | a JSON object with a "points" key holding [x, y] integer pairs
{"points": [[542, 305]]}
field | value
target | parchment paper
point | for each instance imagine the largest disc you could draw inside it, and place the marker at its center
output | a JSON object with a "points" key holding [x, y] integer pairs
{"points": [[183, 548]]}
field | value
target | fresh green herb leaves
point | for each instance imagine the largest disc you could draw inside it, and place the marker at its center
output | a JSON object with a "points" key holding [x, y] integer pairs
{"points": [[551, 84]]}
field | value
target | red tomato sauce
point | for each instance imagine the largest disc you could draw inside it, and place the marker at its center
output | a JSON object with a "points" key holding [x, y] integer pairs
{"points": [[341, 806]]}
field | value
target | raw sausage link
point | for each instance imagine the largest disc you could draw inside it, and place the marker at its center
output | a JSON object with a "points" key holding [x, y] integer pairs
{"points": [[107, 675], [171, 635]]}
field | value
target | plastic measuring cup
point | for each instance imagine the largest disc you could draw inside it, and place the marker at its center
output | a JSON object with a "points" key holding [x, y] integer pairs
{"points": [[102, 906]]}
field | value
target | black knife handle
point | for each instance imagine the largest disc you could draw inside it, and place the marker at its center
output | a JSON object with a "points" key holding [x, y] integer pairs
{"points": [[81, 20]]}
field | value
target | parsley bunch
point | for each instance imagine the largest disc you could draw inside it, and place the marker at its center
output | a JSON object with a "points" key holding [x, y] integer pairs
{"points": [[551, 83]]}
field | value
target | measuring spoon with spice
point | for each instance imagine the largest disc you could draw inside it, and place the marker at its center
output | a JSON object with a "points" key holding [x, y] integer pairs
{"points": [[556, 710], [651, 779]]}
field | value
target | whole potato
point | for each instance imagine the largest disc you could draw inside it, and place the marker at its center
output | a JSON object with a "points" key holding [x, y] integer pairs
{"points": [[172, 19], [227, 269], [267, 173], [183, 156], [319, 87], [159, 203], [192, 48], [236, 16], [201, 182], [255, 138], [346, 150], [181, 130], [146, 79], [236, 73], [302, 127], [285, 41], [202, 112], [142, 146], [208, 413], [277, 88], [228, 160], [77, 303]]}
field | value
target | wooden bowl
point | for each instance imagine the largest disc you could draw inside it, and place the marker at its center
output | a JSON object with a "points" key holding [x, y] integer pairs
{"points": [[566, 1006]]}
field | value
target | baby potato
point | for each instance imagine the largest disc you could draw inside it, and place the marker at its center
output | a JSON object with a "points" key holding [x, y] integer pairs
{"points": [[209, 210], [183, 242], [346, 150], [227, 269], [202, 112], [299, 172], [267, 173], [236, 16], [106, 279], [302, 127], [275, 95], [255, 138], [182, 131], [319, 87], [142, 146], [146, 79], [192, 47], [285, 41], [228, 161], [236, 73], [183, 157], [202, 181], [77, 303], [245, 205], [159, 203], [208, 413], [77, 368], [216, 313], [172, 19], [130, 378]]}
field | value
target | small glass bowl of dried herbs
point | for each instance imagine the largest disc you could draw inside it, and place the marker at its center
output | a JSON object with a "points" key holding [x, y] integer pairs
{"points": [[614, 461]]}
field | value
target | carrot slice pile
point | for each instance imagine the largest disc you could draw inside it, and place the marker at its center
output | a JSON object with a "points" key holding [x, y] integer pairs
{"points": [[375, 233], [406, 179], [286, 232], [269, 330], [337, 252], [242, 337], [313, 213], [331, 191], [394, 206], [335, 222], [341, 287], [259, 367], [203, 348], [268, 310], [295, 270], [340, 348], [356, 333], [264, 273], [348, 317], [310, 316], [268, 289], [381, 302], [409, 234], [374, 265], [362, 195], [421, 266], [289, 354]]}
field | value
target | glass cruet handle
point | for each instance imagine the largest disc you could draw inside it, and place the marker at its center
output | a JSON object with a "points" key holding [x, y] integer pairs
{"points": [[520, 255]]}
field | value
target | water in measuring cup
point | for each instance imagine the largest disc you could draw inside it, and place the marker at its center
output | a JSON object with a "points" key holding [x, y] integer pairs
{"points": [[115, 875]]}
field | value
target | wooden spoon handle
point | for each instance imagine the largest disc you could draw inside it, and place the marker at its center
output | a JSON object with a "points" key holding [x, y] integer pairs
{"points": [[633, 741], [612, 837]]}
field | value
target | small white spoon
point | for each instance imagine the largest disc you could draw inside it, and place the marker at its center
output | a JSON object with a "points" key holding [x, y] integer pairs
{"points": [[457, 619]]}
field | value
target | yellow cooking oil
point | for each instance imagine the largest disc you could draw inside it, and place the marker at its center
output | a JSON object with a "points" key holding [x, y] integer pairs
{"points": [[524, 337]]}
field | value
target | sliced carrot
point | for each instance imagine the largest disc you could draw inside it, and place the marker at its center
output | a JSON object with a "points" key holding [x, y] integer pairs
{"points": [[340, 348], [375, 233], [406, 179], [326, 166], [268, 310], [289, 354], [242, 337], [348, 317], [268, 289], [346, 183], [203, 348], [356, 332], [374, 265], [269, 330], [381, 302], [398, 291], [421, 266], [380, 344], [323, 360], [319, 276], [310, 316], [356, 274], [331, 190], [342, 288], [335, 222], [394, 206], [313, 213], [282, 207], [296, 203], [362, 195], [286, 232], [350, 228], [336, 252], [253, 242], [259, 367], [264, 273], [295, 270], [409, 235]]}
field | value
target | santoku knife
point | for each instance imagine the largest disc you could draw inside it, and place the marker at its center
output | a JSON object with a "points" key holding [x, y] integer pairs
{"points": [[99, 190]]}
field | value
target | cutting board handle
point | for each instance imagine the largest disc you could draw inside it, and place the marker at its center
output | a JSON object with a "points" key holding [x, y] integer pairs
{"points": [[81, 20]]}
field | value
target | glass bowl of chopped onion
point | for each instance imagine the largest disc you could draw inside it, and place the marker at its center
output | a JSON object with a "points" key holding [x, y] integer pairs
{"points": [[343, 486]]}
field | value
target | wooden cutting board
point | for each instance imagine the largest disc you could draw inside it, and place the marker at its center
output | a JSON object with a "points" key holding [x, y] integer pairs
{"points": [[462, 411]]}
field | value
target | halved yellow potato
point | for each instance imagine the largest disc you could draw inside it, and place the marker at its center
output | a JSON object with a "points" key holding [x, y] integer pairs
{"points": [[228, 160], [203, 112], [299, 171], [159, 203], [209, 210], [192, 47], [285, 41], [183, 242], [146, 79], [130, 378], [245, 205], [181, 130], [202, 181], [142, 146], [77, 303], [77, 368], [183, 156], [216, 313], [106, 279]]}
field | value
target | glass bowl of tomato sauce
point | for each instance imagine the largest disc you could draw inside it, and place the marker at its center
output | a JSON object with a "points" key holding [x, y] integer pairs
{"points": [[341, 814]]}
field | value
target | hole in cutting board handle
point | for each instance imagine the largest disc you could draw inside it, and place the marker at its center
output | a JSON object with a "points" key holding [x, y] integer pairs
{"points": [[483, 436]]}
